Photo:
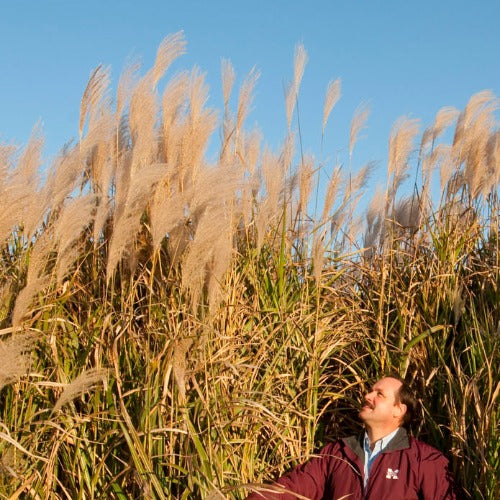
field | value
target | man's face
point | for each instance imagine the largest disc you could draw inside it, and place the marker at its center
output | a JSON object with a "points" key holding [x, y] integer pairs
{"points": [[380, 404]]}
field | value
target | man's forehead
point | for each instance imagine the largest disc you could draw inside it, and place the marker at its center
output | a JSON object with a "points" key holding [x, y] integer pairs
{"points": [[387, 384]]}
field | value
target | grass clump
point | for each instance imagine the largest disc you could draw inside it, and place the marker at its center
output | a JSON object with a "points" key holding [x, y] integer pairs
{"points": [[175, 328]]}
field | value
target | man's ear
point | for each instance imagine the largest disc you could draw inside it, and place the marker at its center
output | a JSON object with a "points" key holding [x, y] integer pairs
{"points": [[400, 410]]}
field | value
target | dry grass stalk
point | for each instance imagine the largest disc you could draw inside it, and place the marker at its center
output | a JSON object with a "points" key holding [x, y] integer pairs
{"points": [[333, 93], [86, 381]]}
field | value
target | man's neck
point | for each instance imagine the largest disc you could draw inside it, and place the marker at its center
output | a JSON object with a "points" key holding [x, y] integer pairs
{"points": [[375, 434]]}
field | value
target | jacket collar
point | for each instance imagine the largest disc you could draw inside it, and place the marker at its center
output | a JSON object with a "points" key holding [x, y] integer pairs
{"points": [[399, 442]]}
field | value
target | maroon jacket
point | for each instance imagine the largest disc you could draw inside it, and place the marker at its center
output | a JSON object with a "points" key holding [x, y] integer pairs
{"points": [[405, 469]]}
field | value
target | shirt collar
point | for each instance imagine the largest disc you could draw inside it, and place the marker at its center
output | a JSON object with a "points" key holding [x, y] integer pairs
{"points": [[380, 444]]}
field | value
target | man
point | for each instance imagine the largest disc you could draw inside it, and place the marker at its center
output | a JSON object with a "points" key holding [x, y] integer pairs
{"points": [[383, 463]]}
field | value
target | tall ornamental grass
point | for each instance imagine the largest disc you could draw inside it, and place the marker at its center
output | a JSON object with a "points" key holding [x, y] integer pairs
{"points": [[172, 327]]}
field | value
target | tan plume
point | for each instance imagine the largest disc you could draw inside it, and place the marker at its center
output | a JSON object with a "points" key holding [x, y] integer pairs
{"points": [[300, 61], [444, 118], [333, 93], [305, 182], [15, 357], [86, 381], [93, 95], [245, 100], [358, 123], [331, 192], [228, 76], [171, 48], [400, 146]]}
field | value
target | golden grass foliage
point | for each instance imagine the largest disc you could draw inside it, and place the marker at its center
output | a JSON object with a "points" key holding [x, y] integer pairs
{"points": [[233, 329]]}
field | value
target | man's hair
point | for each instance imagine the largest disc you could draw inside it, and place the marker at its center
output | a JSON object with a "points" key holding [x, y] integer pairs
{"points": [[406, 396]]}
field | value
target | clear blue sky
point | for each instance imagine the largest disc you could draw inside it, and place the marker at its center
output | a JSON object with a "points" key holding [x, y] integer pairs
{"points": [[402, 57]]}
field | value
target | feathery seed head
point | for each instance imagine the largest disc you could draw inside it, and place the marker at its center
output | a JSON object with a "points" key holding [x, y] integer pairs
{"points": [[292, 91], [86, 381], [170, 49], [228, 76], [15, 357], [358, 123], [400, 146], [333, 93]]}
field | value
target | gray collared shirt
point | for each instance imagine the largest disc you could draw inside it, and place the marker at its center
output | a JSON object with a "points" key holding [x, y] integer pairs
{"points": [[370, 454]]}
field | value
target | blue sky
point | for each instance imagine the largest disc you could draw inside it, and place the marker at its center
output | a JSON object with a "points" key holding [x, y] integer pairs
{"points": [[400, 57]]}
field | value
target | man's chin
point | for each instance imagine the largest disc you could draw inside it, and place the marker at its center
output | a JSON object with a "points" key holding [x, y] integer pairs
{"points": [[363, 413]]}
